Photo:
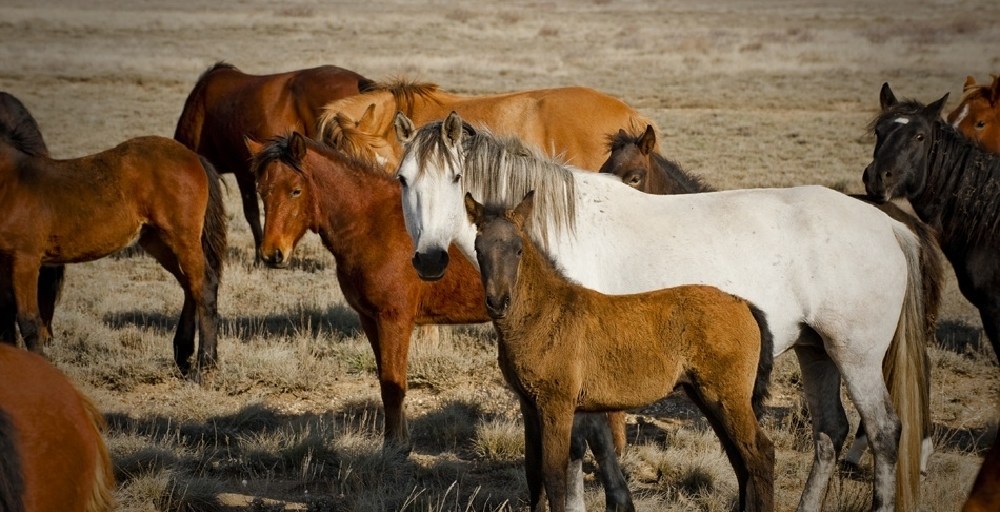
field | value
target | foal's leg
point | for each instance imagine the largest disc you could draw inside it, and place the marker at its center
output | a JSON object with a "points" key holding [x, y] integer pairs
{"points": [[557, 429], [183, 343], [595, 428], [25, 281], [821, 384], [389, 336]]}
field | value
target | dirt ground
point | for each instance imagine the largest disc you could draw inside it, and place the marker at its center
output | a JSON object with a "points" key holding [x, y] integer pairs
{"points": [[745, 94]]}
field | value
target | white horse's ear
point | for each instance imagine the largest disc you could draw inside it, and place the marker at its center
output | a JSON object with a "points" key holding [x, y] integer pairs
{"points": [[451, 129], [404, 127], [523, 210], [473, 208], [885, 97]]}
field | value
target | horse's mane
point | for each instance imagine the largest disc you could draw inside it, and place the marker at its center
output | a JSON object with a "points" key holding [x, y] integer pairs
{"points": [[502, 170], [672, 169], [406, 92], [339, 132], [963, 180], [279, 149], [19, 128]]}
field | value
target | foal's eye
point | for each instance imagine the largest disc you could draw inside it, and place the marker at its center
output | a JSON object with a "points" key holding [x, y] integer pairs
{"points": [[297, 192], [980, 124]]}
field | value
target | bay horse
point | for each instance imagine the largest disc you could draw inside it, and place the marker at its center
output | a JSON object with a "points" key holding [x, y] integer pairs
{"points": [[227, 104], [839, 281], [568, 123], [564, 348], [354, 206], [977, 115], [19, 129], [52, 453], [634, 160], [54, 212]]}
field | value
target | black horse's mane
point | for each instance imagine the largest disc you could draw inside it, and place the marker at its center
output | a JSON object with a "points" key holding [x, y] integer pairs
{"points": [[19, 128], [279, 149], [672, 169]]}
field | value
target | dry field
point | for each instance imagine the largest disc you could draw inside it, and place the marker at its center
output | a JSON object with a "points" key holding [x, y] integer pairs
{"points": [[747, 94]]}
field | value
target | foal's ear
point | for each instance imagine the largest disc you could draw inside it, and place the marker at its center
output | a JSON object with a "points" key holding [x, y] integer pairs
{"points": [[648, 140], [404, 127], [473, 209], [452, 129], [252, 145], [297, 146], [523, 210], [885, 97], [970, 82], [935, 109]]}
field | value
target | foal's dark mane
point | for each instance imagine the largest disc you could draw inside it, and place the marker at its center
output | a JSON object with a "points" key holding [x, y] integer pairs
{"points": [[689, 182], [19, 128], [963, 182], [279, 149]]}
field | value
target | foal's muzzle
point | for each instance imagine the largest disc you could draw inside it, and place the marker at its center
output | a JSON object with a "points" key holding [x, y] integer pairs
{"points": [[497, 306], [430, 265]]}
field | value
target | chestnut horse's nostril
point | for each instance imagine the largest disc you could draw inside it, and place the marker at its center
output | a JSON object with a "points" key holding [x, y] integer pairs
{"points": [[277, 257]]}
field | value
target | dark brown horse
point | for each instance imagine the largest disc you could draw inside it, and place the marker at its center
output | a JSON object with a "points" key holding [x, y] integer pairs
{"points": [[227, 105], [564, 348], [19, 129], [152, 189], [52, 455]]}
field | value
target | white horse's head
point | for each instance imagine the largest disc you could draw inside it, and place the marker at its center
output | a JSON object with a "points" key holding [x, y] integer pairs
{"points": [[430, 172]]}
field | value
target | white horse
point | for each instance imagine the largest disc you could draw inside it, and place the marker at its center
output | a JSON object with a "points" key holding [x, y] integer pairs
{"points": [[838, 280]]}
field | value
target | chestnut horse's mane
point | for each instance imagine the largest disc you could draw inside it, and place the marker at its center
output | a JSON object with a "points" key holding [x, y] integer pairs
{"points": [[406, 92], [279, 149]]}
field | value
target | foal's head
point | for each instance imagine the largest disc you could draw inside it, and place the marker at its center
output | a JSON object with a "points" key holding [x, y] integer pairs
{"points": [[500, 240], [631, 158], [904, 135]]}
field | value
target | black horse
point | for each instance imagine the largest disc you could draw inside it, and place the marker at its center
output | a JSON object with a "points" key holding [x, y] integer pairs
{"points": [[953, 185], [20, 129]]}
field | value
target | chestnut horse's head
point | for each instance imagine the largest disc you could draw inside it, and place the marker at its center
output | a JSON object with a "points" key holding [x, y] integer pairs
{"points": [[286, 193], [977, 116], [499, 246], [905, 132]]}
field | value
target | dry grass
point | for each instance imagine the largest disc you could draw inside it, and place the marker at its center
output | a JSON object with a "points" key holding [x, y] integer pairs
{"points": [[745, 94]]}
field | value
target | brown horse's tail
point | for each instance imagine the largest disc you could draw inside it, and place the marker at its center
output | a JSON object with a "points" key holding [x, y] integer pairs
{"points": [[213, 235], [905, 369], [11, 479], [189, 124], [765, 364], [102, 497]]}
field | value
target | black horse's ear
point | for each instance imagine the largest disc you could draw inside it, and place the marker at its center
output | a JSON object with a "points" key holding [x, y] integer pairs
{"points": [[648, 140], [885, 97], [297, 146], [935, 109], [473, 208], [452, 129], [523, 210], [404, 127]]}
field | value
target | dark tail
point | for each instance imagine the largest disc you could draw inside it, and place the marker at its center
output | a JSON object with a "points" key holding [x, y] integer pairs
{"points": [[188, 131], [765, 364], [213, 235], [11, 481]]}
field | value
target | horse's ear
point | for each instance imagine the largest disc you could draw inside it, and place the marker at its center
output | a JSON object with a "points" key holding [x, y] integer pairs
{"points": [[252, 145], [648, 140], [885, 97], [970, 82], [523, 210], [452, 129], [297, 146], [473, 208], [404, 127], [935, 109], [995, 90], [367, 119]]}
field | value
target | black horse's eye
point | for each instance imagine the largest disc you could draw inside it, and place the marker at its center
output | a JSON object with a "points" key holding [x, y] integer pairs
{"points": [[402, 180], [920, 136]]}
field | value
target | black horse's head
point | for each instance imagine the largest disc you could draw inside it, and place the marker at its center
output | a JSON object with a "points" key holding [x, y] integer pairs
{"points": [[904, 135]]}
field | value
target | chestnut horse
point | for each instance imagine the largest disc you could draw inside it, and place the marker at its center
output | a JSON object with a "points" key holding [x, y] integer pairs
{"points": [[52, 455], [634, 160], [67, 211], [354, 206], [570, 123], [227, 104], [977, 116], [564, 348], [19, 129]]}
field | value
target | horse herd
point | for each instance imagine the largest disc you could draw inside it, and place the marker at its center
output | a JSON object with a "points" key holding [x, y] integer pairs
{"points": [[593, 255]]}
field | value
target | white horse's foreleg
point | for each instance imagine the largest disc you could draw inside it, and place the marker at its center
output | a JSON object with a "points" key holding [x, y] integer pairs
{"points": [[821, 383]]}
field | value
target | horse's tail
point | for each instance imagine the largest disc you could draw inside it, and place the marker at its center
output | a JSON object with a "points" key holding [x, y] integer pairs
{"points": [[932, 270], [189, 124], [765, 363], [11, 480], [905, 369], [213, 234], [102, 497]]}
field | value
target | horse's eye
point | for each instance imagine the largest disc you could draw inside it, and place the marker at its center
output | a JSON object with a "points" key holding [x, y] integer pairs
{"points": [[402, 180], [920, 136], [980, 124], [297, 192], [456, 178]]}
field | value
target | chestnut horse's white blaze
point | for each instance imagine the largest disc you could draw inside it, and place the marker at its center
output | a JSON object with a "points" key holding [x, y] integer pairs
{"points": [[837, 279]]}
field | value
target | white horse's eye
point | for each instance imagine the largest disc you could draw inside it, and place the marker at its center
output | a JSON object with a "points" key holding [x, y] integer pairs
{"points": [[456, 178], [402, 180]]}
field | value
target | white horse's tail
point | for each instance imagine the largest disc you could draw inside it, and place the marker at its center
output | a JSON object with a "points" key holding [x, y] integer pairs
{"points": [[905, 370]]}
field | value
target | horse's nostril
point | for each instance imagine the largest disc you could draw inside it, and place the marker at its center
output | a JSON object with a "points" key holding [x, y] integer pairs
{"points": [[278, 257]]}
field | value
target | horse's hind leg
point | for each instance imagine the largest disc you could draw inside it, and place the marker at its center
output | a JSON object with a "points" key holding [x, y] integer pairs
{"points": [[8, 306], [595, 427], [156, 247], [821, 384]]}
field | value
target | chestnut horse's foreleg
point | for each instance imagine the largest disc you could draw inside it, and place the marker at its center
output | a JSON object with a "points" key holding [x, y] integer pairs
{"points": [[25, 280], [533, 455], [389, 336], [556, 429], [248, 192]]}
